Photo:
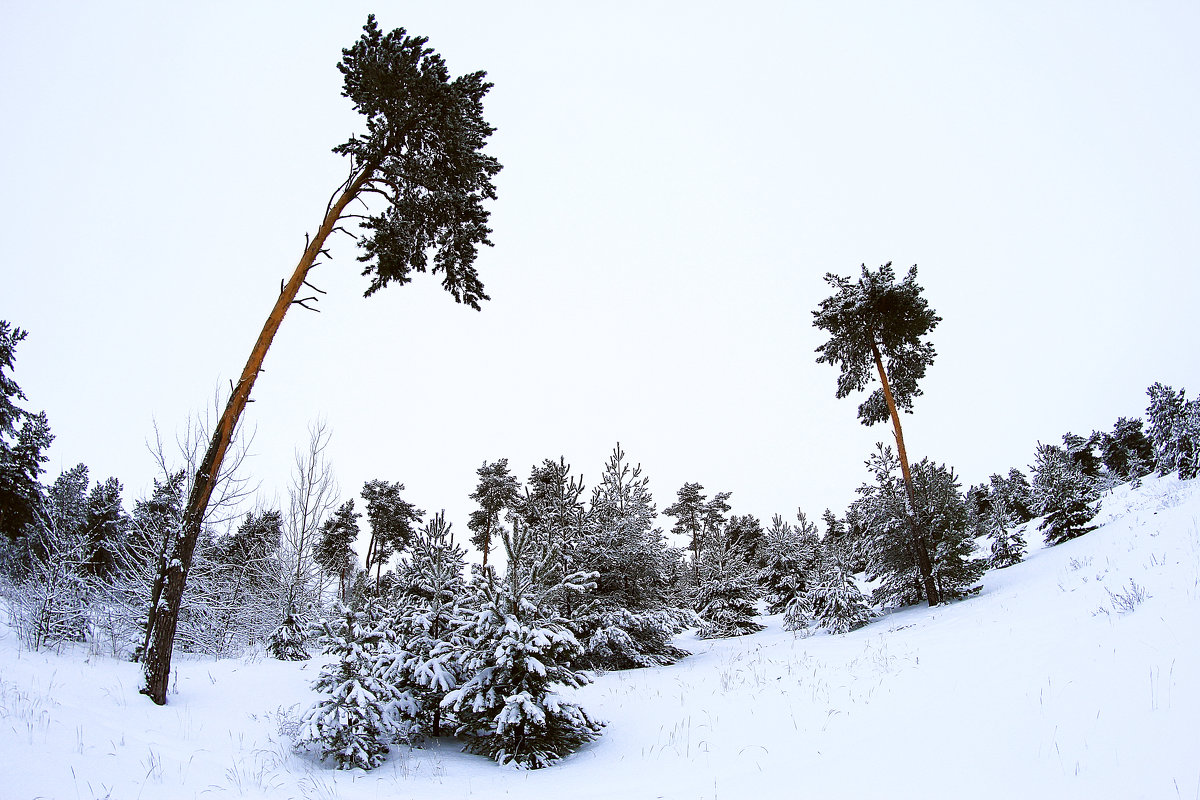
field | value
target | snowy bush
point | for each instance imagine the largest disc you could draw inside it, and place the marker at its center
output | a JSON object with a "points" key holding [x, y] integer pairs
{"points": [[1125, 601]]}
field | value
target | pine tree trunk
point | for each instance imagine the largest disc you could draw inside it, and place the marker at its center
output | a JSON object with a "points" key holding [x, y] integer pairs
{"points": [[487, 542], [164, 616], [923, 563]]}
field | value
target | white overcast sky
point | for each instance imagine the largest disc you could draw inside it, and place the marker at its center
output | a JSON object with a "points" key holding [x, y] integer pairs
{"points": [[678, 177]]}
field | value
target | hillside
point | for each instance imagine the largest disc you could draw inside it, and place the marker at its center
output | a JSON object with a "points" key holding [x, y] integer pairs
{"points": [[1073, 674]]}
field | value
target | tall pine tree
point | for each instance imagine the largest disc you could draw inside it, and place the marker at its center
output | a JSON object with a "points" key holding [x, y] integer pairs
{"points": [[876, 329]]}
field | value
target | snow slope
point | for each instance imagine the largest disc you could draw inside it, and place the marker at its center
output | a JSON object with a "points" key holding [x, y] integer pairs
{"points": [[1053, 682]]}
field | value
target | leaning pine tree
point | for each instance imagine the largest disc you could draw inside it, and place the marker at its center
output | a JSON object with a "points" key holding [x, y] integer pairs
{"points": [[874, 322], [421, 159]]}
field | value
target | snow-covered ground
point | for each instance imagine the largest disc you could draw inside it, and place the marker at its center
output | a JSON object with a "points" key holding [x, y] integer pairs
{"points": [[1055, 681]]}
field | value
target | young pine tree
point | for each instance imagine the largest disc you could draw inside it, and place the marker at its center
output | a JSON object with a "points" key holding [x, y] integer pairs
{"points": [[334, 551], [940, 512], [519, 653], [552, 512], [1174, 431], [839, 604], [727, 593], [355, 721], [629, 619], [781, 576], [1008, 545], [426, 662], [391, 519], [1065, 497], [789, 556], [286, 642], [1126, 451], [496, 492]]}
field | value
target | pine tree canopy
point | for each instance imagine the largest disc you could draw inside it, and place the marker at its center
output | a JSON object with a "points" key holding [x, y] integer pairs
{"points": [[877, 314], [423, 150]]}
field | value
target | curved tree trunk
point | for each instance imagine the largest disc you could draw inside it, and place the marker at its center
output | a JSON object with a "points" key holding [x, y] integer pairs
{"points": [[164, 612], [922, 548]]}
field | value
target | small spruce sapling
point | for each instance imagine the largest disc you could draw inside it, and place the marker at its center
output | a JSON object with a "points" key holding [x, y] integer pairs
{"points": [[286, 642]]}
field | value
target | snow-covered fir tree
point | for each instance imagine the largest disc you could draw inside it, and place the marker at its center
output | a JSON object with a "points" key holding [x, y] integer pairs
{"points": [[1174, 431], [519, 653], [1065, 497], [1008, 544], [552, 517], [334, 551], [629, 619], [789, 556], [497, 492], [727, 593], [839, 605], [355, 721], [1016, 493], [1126, 452], [286, 642], [697, 518], [425, 663]]}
